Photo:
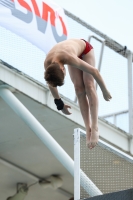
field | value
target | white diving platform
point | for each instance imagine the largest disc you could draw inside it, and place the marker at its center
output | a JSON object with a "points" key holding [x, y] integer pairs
{"points": [[23, 157]]}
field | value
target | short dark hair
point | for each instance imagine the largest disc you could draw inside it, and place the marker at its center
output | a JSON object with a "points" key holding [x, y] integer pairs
{"points": [[53, 75]]}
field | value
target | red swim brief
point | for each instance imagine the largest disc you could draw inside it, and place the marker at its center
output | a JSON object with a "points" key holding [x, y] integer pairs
{"points": [[86, 50]]}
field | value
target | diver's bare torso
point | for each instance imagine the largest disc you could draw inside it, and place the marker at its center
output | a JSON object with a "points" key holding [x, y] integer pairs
{"points": [[58, 52]]}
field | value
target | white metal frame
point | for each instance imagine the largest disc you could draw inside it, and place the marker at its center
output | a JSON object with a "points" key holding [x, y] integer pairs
{"points": [[38, 129], [77, 171], [76, 164], [38, 92], [80, 177], [114, 115], [130, 92], [130, 96], [45, 137], [130, 82]]}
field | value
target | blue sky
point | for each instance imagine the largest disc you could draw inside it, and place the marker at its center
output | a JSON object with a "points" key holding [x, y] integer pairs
{"points": [[113, 18]]}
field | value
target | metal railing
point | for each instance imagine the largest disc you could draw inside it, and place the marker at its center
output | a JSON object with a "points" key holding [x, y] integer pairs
{"points": [[114, 115], [118, 48]]}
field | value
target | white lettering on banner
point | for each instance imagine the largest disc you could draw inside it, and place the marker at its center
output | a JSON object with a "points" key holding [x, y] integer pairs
{"points": [[40, 22]]}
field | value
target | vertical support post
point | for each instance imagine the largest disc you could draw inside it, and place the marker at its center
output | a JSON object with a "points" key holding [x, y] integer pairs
{"points": [[114, 119], [130, 93], [75, 99], [89, 38], [101, 55], [100, 59], [76, 164]]}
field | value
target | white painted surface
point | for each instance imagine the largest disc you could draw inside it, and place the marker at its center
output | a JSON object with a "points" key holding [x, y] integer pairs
{"points": [[22, 148], [41, 94]]}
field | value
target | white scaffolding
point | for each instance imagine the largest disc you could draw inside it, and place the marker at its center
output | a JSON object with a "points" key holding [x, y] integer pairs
{"points": [[45, 137]]}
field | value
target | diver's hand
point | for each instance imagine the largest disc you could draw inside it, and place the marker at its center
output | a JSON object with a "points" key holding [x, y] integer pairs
{"points": [[65, 110], [107, 95]]}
